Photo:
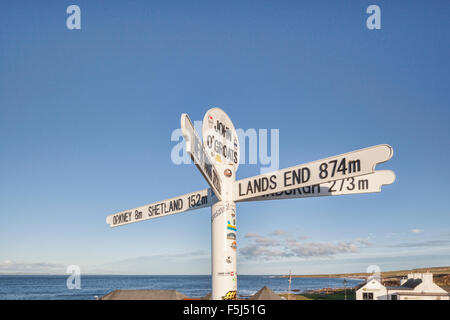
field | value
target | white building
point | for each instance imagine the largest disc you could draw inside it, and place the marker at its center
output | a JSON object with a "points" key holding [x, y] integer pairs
{"points": [[417, 286]]}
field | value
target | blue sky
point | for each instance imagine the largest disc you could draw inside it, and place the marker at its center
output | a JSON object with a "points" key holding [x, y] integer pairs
{"points": [[86, 118]]}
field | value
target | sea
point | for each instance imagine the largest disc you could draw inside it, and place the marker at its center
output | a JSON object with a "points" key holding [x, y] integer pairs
{"points": [[54, 287]]}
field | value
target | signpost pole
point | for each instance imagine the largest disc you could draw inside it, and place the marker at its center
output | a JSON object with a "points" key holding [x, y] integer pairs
{"points": [[223, 243], [221, 143]]}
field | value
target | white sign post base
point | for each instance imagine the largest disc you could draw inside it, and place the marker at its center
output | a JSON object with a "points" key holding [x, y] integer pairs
{"points": [[223, 243]]}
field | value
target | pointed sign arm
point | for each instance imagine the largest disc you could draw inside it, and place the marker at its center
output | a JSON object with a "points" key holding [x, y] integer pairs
{"points": [[347, 165], [194, 200], [369, 183], [194, 147]]}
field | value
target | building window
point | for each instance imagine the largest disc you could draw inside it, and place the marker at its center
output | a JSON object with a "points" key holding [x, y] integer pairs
{"points": [[394, 297], [368, 296]]}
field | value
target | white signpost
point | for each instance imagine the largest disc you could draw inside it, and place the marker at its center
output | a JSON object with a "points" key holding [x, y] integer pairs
{"points": [[217, 158]]}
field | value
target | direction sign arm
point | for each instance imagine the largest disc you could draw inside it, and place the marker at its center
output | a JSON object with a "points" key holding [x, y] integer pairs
{"points": [[369, 183], [352, 164], [194, 147], [194, 200]]}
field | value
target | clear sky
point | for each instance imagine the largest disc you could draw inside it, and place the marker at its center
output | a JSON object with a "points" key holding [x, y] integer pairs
{"points": [[86, 118]]}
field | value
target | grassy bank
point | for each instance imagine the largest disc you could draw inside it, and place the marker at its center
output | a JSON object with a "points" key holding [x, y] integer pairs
{"points": [[337, 294]]}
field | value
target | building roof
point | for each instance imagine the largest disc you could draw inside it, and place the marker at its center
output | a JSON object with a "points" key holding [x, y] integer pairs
{"points": [[265, 294], [359, 286], [144, 295], [411, 283]]}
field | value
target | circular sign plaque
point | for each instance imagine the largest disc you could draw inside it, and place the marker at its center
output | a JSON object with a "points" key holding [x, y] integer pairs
{"points": [[220, 138]]}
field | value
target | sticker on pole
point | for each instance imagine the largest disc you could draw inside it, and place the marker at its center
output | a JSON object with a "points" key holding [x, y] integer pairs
{"points": [[220, 139]]}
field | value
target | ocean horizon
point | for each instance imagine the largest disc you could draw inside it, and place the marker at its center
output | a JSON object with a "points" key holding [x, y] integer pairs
{"points": [[54, 287]]}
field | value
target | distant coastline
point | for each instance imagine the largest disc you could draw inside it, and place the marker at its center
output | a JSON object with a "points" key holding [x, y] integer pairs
{"points": [[438, 272], [441, 275]]}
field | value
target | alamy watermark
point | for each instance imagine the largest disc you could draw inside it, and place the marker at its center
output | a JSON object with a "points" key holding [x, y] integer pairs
{"points": [[73, 21], [74, 280], [374, 271], [255, 141], [374, 20]]}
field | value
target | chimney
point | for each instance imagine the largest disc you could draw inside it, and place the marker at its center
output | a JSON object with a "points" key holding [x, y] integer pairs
{"points": [[427, 277], [403, 280]]}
